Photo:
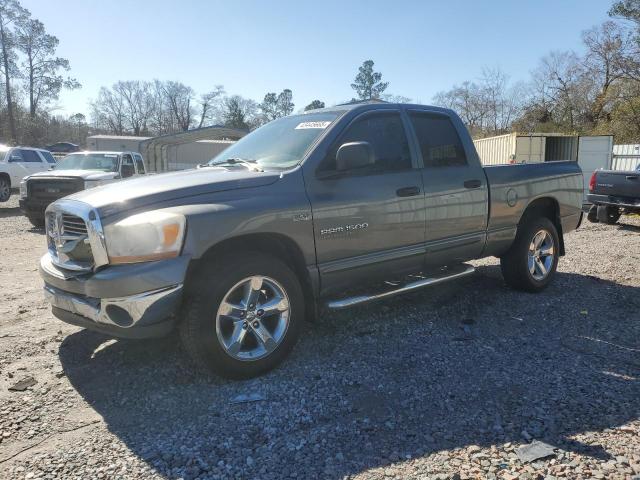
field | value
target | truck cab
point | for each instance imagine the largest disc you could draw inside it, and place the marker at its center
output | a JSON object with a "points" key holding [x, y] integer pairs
{"points": [[17, 163], [75, 172]]}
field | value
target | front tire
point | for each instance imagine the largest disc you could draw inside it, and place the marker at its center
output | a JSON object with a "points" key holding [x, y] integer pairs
{"points": [[608, 214], [531, 262], [5, 189], [243, 316]]}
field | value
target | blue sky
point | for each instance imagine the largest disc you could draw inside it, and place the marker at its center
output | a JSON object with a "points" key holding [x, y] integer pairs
{"points": [[313, 48]]}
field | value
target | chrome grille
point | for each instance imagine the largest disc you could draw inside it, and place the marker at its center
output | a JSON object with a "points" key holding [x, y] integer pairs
{"points": [[73, 225], [74, 236]]}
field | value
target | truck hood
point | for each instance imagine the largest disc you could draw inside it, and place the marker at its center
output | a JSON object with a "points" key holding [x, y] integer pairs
{"points": [[84, 174], [137, 192]]}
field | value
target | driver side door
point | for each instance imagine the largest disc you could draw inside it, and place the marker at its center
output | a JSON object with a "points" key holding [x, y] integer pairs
{"points": [[369, 222]]}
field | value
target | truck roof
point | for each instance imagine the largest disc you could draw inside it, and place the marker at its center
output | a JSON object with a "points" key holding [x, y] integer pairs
{"points": [[377, 105]]}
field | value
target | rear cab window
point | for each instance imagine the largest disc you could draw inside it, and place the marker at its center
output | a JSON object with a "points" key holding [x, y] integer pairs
{"points": [[438, 139], [48, 157], [139, 163]]}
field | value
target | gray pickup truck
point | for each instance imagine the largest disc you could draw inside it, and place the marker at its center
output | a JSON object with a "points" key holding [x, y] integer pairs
{"points": [[328, 209], [613, 192]]}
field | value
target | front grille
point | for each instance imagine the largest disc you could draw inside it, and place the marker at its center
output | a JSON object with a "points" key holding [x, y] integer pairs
{"points": [[51, 189], [73, 225]]}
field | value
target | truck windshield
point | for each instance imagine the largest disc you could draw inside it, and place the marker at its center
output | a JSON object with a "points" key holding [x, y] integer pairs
{"points": [[279, 144], [105, 162]]}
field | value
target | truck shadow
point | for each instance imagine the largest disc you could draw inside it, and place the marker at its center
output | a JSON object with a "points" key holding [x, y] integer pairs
{"points": [[365, 388], [8, 212]]}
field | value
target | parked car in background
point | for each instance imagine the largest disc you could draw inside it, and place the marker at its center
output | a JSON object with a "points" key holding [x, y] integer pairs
{"points": [[19, 162], [612, 193], [75, 172], [63, 147], [331, 208]]}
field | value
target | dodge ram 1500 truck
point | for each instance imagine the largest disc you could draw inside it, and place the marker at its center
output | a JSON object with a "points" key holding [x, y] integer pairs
{"points": [[75, 172], [330, 208], [612, 192]]}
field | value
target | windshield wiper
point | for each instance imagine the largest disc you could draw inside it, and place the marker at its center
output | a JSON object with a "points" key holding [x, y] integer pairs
{"points": [[250, 164]]}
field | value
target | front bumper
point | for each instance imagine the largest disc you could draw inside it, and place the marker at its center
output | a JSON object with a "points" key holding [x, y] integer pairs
{"points": [[128, 301], [32, 207]]}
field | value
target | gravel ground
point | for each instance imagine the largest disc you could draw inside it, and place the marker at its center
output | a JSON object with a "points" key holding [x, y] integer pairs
{"points": [[445, 383]]}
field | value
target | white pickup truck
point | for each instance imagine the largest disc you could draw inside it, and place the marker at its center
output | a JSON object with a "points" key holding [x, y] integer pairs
{"points": [[75, 172], [19, 162]]}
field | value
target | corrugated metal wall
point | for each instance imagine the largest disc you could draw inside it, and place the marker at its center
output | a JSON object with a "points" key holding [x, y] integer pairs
{"points": [[496, 150], [189, 155], [626, 157], [561, 148]]}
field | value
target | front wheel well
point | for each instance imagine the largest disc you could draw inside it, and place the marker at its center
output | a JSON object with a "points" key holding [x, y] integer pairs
{"points": [[278, 245], [6, 176], [546, 207]]}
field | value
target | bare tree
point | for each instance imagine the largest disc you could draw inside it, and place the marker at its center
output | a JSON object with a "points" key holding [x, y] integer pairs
{"points": [[179, 97], [41, 67], [209, 104]]}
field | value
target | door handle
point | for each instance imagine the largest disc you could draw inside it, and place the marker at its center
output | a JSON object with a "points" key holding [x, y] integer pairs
{"points": [[472, 183], [632, 177], [408, 191]]}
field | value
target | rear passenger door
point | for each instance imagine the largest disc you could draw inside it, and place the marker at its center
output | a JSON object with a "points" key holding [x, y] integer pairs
{"points": [[368, 222], [35, 163], [456, 196]]}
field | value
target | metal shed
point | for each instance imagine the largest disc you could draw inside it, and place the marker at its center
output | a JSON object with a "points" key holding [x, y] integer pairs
{"points": [[626, 157], [115, 143], [157, 151], [527, 148]]}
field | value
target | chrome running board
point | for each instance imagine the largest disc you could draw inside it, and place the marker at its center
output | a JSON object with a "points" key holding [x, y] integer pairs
{"points": [[462, 271]]}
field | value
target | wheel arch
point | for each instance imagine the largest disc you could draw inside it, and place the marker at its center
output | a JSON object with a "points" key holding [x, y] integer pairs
{"points": [[547, 207], [7, 176], [276, 244]]}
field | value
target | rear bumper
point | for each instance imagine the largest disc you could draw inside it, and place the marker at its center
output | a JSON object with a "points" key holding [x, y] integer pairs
{"points": [[622, 202], [128, 301]]}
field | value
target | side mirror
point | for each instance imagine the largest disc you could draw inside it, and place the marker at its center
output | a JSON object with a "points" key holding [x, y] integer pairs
{"points": [[126, 171], [354, 155]]}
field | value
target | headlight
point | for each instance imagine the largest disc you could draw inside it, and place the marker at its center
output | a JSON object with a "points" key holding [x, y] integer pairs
{"points": [[23, 188], [92, 183], [145, 237]]}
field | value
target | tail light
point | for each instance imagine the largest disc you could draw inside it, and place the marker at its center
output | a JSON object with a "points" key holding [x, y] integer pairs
{"points": [[592, 182]]}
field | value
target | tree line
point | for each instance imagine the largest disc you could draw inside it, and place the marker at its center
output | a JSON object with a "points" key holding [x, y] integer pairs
{"points": [[593, 92]]}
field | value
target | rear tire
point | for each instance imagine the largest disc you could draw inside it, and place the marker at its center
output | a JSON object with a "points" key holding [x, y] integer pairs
{"points": [[608, 214], [37, 222], [592, 216], [5, 189], [531, 262], [247, 340]]}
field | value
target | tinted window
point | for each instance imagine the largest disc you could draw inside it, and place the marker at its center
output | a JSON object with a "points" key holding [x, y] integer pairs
{"points": [[15, 156], [386, 135], [30, 156], [139, 163], [439, 141], [48, 157]]}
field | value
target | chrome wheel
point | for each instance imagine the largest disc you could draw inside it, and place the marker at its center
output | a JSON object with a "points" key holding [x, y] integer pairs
{"points": [[541, 255], [5, 190], [253, 318]]}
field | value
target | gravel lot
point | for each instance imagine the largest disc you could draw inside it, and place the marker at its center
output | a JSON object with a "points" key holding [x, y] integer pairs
{"points": [[444, 383]]}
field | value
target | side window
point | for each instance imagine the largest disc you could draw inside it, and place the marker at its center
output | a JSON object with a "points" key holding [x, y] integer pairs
{"points": [[15, 156], [439, 141], [48, 157], [386, 134], [31, 156], [126, 168], [139, 164]]}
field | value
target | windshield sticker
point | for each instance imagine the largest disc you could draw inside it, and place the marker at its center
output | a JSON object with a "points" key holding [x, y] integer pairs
{"points": [[312, 125]]}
